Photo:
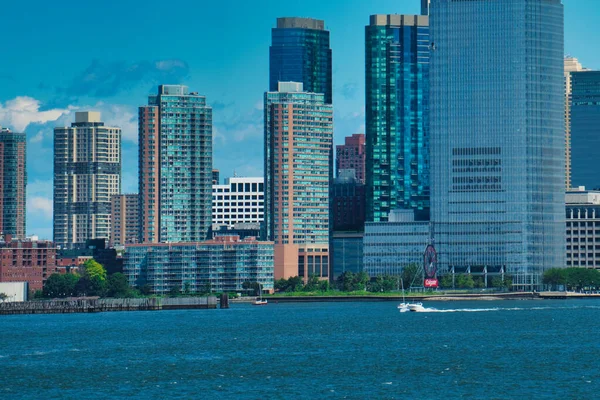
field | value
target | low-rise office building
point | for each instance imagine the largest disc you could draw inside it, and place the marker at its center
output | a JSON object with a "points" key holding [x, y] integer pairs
{"points": [[28, 260], [583, 228], [238, 201], [222, 264], [390, 246]]}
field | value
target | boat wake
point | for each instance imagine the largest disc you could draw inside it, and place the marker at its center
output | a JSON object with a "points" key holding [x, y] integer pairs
{"points": [[436, 310]]}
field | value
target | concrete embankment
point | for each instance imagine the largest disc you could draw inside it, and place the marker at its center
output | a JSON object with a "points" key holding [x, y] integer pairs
{"points": [[435, 297], [68, 306]]}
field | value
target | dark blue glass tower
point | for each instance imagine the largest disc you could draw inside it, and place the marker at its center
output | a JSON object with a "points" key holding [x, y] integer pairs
{"points": [[397, 103], [300, 52], [585, 119]]}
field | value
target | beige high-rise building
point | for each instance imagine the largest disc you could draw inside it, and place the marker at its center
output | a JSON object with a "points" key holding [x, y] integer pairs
{"points": [[571, 65], [125, 219], [298, 169], [87, 173]]}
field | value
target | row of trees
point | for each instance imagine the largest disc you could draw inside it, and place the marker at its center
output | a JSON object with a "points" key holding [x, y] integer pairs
{"points": [[92, 280], [572, 278], [355, 282]]}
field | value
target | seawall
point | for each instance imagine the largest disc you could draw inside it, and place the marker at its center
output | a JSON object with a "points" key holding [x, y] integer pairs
{"points": [[69, 306], [435, 297]]}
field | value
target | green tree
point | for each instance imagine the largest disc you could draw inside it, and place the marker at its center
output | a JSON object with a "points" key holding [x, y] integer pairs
{"points": [[117, 286], [93, 286], [554, 277], [295, 284], [174, 292], [145, 289], [508, 282], [3, 296], [324, 285], [93, 269], [312, 284], [479, 283], [344, 281], [60, 285], [281, 285], [465, 281], [361, 280], [446, 281], [497, 282], [410, 275]]}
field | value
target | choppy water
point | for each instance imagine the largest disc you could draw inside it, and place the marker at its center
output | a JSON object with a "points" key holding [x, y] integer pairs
{"points": [[525, 349]]}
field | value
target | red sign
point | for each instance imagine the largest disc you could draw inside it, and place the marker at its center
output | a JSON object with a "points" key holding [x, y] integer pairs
{"points": [[431, 283]]}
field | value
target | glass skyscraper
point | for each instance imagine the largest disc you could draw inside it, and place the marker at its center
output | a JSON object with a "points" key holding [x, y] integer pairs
{"points": [[13, 183], [175, 166], [300, 52], [497, 137], [584, 107], [397, 97]]}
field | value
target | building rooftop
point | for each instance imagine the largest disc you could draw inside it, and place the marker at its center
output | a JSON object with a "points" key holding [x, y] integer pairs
{"points": [[297, 22], [399, 20], [87, 116], [582, 196]]}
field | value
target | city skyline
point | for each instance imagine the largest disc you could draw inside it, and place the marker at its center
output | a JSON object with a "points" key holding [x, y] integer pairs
{"points": [[116, 78]]}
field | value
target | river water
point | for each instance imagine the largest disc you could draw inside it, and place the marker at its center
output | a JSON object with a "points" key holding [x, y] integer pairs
{"points": [[477, 350]]}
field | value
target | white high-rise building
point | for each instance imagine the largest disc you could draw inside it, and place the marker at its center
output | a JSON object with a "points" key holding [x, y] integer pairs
{"points": [[238, 201]]}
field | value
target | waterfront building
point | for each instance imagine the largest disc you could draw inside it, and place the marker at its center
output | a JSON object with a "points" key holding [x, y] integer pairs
{"points": [[584, 119], [298, 170], [27, 260], [215, 177], [583, 228], [346, 253], [125, 214], [238, 201], [13, 183], [390, 246], [222, 264], [300, 52], [497, 136], [347, 203], [87, 173], [351, 156], [570, 65], [347, 223], [397, 114], [175, 166]]}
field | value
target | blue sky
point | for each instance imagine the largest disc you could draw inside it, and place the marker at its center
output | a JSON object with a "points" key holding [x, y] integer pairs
{"points": [[62, 56]]}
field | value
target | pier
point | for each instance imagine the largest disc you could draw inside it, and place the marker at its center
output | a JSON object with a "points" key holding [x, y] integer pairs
{"points": [[69, 306]]}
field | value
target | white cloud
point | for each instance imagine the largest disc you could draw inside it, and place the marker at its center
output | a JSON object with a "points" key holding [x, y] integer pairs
{"points": [[125, 117], [21, 111], [38, 137], [40, 205]]}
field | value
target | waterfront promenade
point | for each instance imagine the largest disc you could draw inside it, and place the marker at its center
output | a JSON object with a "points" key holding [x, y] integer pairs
{"points": [[68, 306]]}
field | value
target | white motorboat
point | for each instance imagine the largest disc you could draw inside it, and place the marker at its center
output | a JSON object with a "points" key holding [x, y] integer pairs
{"points": [[415, 307]]}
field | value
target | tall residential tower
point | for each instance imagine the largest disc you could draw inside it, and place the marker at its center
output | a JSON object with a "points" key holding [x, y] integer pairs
{"points": [[571, 65], [175, 166], [397, 107], [300, 53], [87, 173], [13, 183], [298, 171], [497, 137]]}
